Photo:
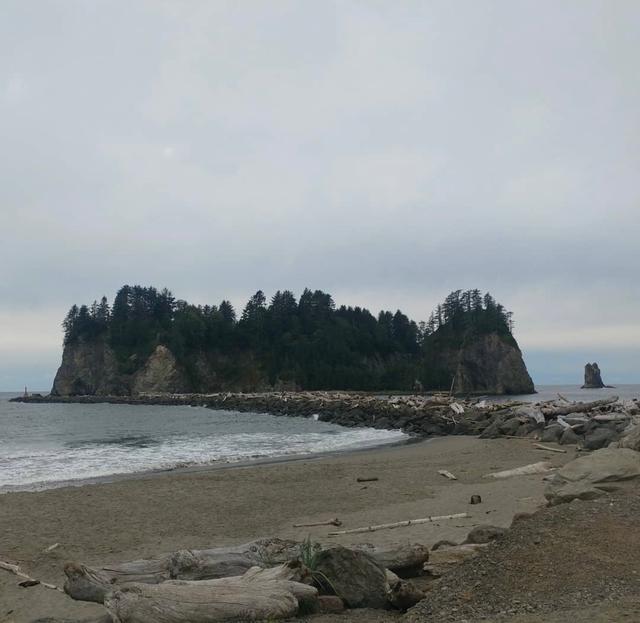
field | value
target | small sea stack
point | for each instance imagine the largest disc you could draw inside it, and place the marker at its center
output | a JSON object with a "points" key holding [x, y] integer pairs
{"points": [[592, 377]]}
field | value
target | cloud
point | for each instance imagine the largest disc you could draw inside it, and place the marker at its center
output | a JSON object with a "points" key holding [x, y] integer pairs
{"points": [[385, 152]]}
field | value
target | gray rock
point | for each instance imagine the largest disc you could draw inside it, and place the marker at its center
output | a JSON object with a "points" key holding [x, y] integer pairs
{"points": [[355, 577], [569, 437], [485, 534], [592, 377], [631, 439], [599, 438], [593, 475], [510, 426], [552, 433]]}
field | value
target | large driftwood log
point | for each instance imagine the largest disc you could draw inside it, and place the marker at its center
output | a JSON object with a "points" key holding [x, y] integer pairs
{"points": [[257, 595], [534, 468], [92, 584], [577, 407]]}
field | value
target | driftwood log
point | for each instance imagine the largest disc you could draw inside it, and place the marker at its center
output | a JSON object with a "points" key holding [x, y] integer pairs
{"points": [[577, 407], [86, 583], [259, 594]]}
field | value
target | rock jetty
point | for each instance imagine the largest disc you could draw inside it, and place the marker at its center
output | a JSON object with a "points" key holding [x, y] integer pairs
{"points": [[592, 425]]}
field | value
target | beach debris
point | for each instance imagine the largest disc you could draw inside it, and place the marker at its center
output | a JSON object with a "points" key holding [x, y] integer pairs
{"points": [[533, 468], [49, 549], [456, 407], [577, 407], [447, 474], [15, 569], [539, 446], [367, 479], [475, 499], [86, 583], [400, 524], [275, 593], [329, 522]]}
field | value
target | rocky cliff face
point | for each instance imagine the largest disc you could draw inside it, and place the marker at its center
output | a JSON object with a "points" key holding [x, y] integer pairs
{"points": [[492, 365], [91, 368], [88, 368]]}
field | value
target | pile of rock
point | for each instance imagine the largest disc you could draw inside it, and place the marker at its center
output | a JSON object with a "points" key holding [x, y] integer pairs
{"points": [[591, 425]]}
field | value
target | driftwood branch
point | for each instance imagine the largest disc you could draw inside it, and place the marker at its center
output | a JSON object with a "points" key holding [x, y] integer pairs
{"points": [[534, 468], [399, 524], [15, 569], [539, 446], [447, 474], [329, 522]]}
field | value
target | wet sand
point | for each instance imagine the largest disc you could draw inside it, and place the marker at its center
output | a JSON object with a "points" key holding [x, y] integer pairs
{"points": [[142, 517]]}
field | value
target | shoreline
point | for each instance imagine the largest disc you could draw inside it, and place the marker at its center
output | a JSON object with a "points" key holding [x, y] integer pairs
{"points": [[202, 468], [143, 517]]}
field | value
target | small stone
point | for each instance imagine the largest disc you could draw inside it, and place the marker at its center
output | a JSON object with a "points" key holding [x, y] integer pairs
{"points": [[475, 499]]}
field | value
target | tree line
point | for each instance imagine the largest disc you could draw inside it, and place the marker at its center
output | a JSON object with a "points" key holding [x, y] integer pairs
{"points": [[307, 342]]}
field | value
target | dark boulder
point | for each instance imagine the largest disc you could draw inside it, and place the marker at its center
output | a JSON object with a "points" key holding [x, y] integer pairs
{"points": [[355, 577], [592, 377], [599, 438]]}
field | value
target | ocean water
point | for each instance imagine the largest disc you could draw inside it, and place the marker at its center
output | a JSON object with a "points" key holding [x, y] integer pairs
{"points": [[49, 445], [574, 393]]}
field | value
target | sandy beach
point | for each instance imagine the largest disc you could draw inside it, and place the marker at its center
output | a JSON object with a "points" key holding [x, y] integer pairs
{"points": [[146, 516]]}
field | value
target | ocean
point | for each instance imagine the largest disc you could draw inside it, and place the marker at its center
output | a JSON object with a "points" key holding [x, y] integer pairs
{"points": [[49, 445]]}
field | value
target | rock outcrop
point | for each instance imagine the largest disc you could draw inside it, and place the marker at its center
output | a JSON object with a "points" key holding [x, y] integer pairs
{"points": [[160, 373], [88, 368], [492, 365], [592, 377], [486, 364]]}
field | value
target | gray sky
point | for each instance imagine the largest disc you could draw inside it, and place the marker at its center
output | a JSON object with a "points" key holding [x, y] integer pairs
{"points": [[387, 152]]}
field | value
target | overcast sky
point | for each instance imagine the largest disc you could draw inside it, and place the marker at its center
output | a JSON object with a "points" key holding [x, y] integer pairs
{"points": [[387, 152]]}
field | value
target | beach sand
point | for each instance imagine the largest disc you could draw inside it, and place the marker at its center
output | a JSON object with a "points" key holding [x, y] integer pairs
{"points": [[154, 514]]}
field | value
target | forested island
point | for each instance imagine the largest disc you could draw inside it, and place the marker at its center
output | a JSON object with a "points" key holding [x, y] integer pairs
{"points": [[149, 341]]}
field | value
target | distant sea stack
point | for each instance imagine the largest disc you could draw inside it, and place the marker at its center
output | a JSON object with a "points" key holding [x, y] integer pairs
{"points": [[149, 342], [592, 377]]}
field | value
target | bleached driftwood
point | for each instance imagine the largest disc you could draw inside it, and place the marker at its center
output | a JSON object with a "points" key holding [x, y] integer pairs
{"points": [[15, 569], [457, 408], [534, 468], [399, 524], [578, 407], [539, 446], [447, 474], [91, 584], [611, 417], [328, 522], [257, 595]]}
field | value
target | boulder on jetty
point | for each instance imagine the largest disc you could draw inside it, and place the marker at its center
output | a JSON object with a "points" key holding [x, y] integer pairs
{"points": [[593, 475], [592, 377]]}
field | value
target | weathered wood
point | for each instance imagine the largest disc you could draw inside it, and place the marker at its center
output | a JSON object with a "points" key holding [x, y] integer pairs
{"points": [[539, 446], [399, 524], [257, 595], [90, 584], [447, 474], [15, 569], [578, 407], [328, 522], [534, 468]]}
